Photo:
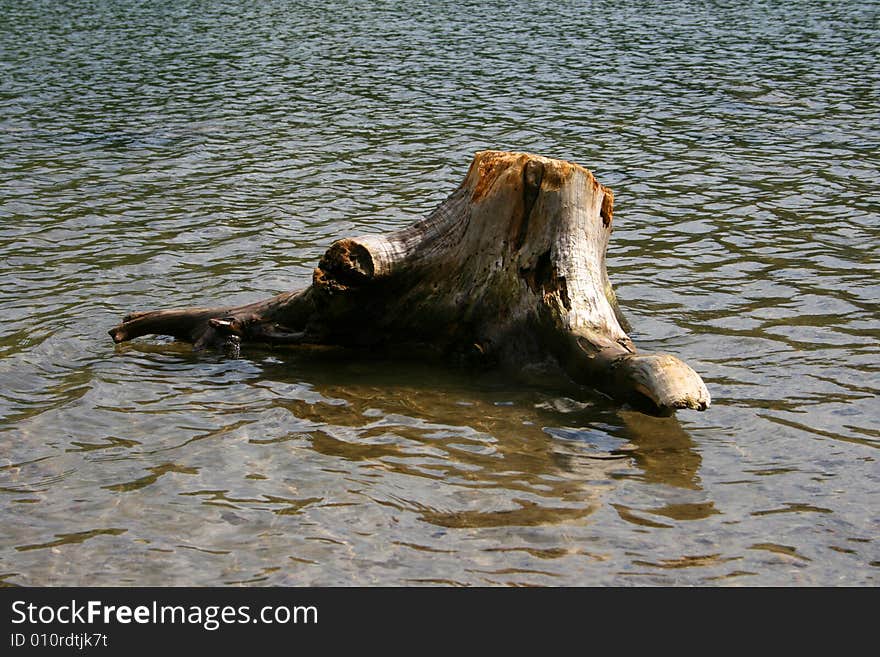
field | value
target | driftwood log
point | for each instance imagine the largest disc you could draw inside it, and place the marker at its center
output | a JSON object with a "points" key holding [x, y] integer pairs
{"points": [[510, 267]]}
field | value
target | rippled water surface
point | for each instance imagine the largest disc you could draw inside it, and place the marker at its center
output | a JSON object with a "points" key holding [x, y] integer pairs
{"points": [[179, 153]]}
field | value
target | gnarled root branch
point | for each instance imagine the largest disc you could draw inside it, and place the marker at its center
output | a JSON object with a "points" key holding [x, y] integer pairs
{"points": [[512, 262]]}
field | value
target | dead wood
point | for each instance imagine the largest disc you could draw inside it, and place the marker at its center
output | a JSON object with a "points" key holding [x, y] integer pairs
{"points": [[511, 266]]}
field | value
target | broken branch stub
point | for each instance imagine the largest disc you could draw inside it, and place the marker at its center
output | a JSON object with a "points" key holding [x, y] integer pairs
{"points": [[511, 265]]}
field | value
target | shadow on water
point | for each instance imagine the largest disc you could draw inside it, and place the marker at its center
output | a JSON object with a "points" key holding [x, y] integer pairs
{"points": [[547, 451]]}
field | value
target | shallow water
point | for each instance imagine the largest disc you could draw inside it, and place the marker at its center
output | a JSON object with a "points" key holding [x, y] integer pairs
{"points": [[172, 153]]}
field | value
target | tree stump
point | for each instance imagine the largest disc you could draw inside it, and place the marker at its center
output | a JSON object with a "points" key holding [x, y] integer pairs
{"points": [[511, 267]]}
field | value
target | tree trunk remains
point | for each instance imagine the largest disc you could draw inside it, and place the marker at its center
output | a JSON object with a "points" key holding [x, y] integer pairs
{"points": [[511, 266]]}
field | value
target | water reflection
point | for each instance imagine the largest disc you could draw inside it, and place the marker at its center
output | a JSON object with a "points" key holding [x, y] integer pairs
{"points": [[67, 539], [429, 422], [665, 451]]}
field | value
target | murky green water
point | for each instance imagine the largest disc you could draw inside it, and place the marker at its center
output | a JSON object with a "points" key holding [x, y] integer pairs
{"points": [[177, 153]]}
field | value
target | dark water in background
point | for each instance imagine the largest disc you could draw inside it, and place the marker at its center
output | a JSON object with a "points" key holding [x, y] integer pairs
{"points": [[175, 153]]}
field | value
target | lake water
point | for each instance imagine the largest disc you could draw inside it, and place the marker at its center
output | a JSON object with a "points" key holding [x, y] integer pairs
{"points": [[165, 154]]}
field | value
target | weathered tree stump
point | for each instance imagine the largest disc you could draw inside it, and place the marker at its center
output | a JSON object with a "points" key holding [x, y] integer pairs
{"points": [[510, 267]]}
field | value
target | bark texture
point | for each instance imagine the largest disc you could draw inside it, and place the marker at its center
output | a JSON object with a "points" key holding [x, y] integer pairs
{"points": [[510, 267]]}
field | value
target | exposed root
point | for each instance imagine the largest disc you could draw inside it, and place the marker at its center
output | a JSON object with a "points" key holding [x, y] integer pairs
{"points": [[510, 266]]}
